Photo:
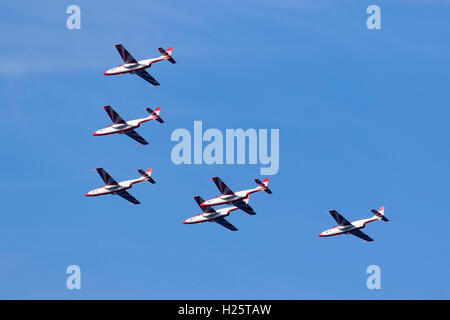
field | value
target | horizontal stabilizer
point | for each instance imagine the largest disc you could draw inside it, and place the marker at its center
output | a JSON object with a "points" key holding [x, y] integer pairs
{"points": [[147, 175], [167, 54], [155, 114], [380, 214], [263, 185]]}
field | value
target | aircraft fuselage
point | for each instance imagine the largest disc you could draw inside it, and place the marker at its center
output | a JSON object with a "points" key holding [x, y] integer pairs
{"points": [[203, 217], [131, 67], [111, 189], [224, 199], [120, 128], [355, 225]]}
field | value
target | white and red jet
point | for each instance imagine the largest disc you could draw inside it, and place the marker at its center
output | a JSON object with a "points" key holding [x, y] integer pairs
{"points": [[113, 187], [239, 199], [211, 215], [121, 126], [344, 226], [138, 67]]}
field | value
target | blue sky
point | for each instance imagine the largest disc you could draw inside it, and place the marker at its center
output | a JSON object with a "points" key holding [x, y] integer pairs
{"points": [[363, 118]]}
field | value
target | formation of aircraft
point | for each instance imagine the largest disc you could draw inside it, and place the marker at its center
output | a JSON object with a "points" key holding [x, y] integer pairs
{"points": [[344, 226], [239, 198], [212, 215], [127, 127], [119, 188], [131, 65]]}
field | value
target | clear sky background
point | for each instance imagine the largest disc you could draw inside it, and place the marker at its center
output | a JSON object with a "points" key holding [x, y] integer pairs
{"points": [[363, 118]]}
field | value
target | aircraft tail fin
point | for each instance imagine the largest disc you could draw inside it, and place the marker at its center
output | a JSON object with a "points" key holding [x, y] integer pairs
{"points": [[380, 214], [264, 185], [147, 175], [167, 54], [155, 114]]}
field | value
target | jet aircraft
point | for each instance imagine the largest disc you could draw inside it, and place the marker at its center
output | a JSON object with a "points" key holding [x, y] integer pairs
{"points": [[239, 198], [344, 226], [212, 215], [119, 188], [131, 65], [121, 126]]}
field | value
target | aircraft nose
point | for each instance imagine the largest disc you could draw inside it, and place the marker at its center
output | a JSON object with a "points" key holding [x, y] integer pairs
{"points": [[87, 194], [186, 221]]}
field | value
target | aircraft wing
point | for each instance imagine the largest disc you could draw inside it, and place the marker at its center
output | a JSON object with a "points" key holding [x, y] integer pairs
{"points": [[134, 135], [223, 188], [106, 177], [226, 224], [361, 235], [244, 207], [126, 56], [147, 77], [339, 219], [114, 116], [124, 194], [205, 209]]}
